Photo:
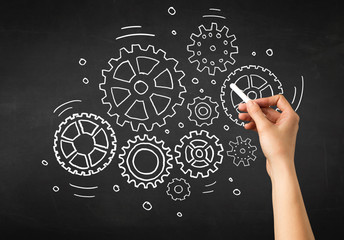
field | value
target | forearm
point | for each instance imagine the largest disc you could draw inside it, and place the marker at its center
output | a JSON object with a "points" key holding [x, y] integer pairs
{"points": [[290, 216]]}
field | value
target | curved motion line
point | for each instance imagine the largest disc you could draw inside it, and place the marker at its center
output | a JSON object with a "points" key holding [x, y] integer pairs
{"points": [[80, 187], [66, 104], [302, 88], [136, 34]]}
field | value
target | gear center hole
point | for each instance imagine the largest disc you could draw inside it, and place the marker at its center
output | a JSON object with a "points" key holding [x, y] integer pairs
{"points": [[84, 144], [252, 95], [178, 189], [199, 153], [242, 150], [141, 87]]}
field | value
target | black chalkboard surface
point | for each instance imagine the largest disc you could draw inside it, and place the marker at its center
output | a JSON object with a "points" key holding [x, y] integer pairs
{"points": [[117, 120]]}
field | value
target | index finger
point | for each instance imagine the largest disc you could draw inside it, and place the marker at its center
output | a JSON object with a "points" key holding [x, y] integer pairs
{"points": [[277, 100]]}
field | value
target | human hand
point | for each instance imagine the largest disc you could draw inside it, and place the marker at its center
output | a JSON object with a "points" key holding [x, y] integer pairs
{"points": [[277, 131]]}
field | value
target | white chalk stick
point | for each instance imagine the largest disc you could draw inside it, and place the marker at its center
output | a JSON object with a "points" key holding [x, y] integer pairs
{"points": [[240, 93]]}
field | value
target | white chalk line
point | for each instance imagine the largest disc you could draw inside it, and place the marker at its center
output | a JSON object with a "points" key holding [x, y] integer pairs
{"points": [[215, 9], [213, 16], [136, 34], [294, 95], [65, 104], [302, 88], [84, 196], [208, 191], [80, 187], [64, 111], [208, 185], [129, 27]]}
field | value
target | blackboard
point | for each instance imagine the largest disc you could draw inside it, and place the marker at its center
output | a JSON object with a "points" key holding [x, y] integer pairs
{"points": [[164, 135]]}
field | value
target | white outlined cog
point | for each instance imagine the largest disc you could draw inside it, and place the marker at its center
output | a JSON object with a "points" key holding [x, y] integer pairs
{"points": [[199, 154], [93, 127], [255, 81], [131, 154], [203, 111], [142, 87], [242, 151], [178, 189], [212, 48]]}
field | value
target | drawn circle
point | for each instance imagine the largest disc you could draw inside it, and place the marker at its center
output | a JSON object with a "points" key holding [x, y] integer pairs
{"points": [[180, 124], [213, 81], [167, 131], [203, 111], [236, 192], [199, 153], [225, 42], [204, 60], [218, 35], [148, 161], [82, 61], [242, 150], [172, 11], [230, 179], [179, 214], [252, 95], [174, 32], [269, 52], [199, 44], [178, 189], [116, 188], [56, 189], [85, 80], [199, 53], [212, 63], [254, 53], [141, 87], [225, 52], [226, 127], [44, 163], [195, 81], [201, 90], [147, 206], [212, 48]]}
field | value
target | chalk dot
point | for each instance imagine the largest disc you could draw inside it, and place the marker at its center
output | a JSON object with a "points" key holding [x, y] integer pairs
{"points": [[167, 131], [225, 52], [204, 60], [226, 127], [116, 188], [236, 192], [179, 214], [254, 54], [269, 52], [44, 162], [172, 11], [56, 189], [174, 32], [201, 90], [218, 35], [230, 179], [199, 53], [82, 61], [195, 81], [225, 42], [180, 124], [199, 44], [147, 206], [213, 81], [85, 80], [204, 36]]}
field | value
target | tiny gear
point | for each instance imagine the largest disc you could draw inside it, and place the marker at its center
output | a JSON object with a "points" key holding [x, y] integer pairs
{"points": [[199, 154], [145, 161], [255, 81], [142, 87], [203, 111], [212, 48], [178, 189], [242, 151], [84, 144]]}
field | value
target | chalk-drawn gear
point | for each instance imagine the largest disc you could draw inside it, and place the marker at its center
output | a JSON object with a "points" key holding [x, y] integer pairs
{"points": [[178, 189], [142, 87], [84, 144], [242, 151], [255, 81], [145, 161], [203, 111], [212, 48], [199, 154]]}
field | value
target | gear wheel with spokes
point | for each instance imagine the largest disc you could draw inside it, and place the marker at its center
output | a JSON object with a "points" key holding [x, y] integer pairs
{"points": [[242, 151], [145, 161], [178, 189], [142, 87], [84, 144], [199, 154], [255, 81]]}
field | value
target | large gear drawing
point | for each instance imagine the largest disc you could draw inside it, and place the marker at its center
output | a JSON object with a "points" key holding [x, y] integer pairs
{"points": [[203, 111], [178, 189], [199, 154], [242, 151], [212, 48], [84, 144], [255, 81], [142, 87], [136, 161]]}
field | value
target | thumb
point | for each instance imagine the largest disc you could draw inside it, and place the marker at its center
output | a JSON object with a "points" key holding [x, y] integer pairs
{"points": [[257, 115]]}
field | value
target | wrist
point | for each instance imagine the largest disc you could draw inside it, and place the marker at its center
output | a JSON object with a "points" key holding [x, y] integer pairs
{"points": [[281, 169]]}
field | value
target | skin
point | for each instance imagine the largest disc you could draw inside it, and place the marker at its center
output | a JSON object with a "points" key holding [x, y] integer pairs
{"points": [[277, 136]]}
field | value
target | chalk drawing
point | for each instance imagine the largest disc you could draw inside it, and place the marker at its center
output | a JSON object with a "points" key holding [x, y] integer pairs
{"points": [[236, 192], [212, 48], [207, 186], [214, 13], [44, 162], [134, 157], [242, 151], [64, 104], [299, 96], [230, 179], [255, 81], [171, 10], [178, 189], [142, 87], [203, 111], [147, 206], [85, 80], [269, 52], [83, 189], [226, 127], [56, 189], [179, 214], [116, 188], [84, 144], [199, 154], [82, 61]]}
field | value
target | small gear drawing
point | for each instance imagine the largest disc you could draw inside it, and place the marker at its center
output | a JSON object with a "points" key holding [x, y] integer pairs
{"points": [[84, 144], [178, 189], [203, 111], [199, 154], [212, 48], [145, 161], [255, 81], [142, 87], [242, 151]]}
